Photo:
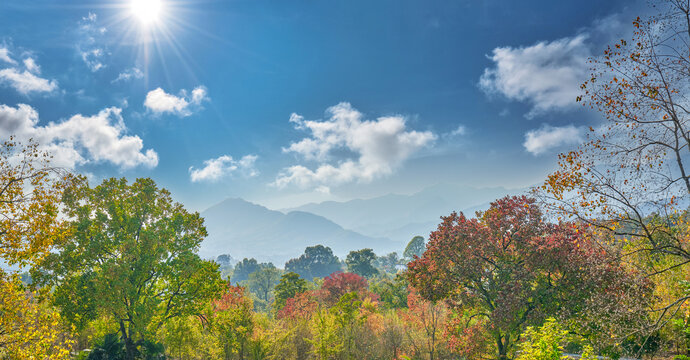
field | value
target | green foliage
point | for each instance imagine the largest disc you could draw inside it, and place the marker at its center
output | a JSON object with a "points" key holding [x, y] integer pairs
{"points": [[326, 342], [414, 248], [388, 263], [224, 260], [110, 347], [392, 292], [543, 343], [243, 269], [131, 255], [361, 262], [262, 282], [316, 262], [290, 285]]}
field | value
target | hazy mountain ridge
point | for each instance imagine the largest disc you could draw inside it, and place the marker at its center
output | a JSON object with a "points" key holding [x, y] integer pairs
{"points": [[385, 223], [400, 217], [244, 229]]}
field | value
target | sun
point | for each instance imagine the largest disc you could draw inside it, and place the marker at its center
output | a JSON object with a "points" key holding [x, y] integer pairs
{"points": [[147, 11]]}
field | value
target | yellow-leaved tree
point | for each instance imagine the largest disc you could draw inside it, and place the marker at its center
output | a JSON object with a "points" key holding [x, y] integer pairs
{"points": [[30, 191]]}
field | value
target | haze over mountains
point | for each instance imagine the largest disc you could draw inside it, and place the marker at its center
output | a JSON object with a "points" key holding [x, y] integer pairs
{"points": [[386, 223]]}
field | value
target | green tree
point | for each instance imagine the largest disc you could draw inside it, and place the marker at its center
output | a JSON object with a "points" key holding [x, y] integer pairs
{"points": [[317, 261], [349, 315], [388, 263], [361, 262], [290, 285], [392, 292], [543, 343], [261, 282], [224, 260], [233, 322], [414, 248], [243, 269], [131, 255]]}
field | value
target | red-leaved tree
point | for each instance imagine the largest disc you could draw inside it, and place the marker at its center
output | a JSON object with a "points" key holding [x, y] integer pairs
{"points": [[510, 268], [340, 283]]}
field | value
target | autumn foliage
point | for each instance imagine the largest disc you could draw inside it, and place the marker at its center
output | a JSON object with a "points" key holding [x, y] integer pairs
{"points": [[509, 268]]}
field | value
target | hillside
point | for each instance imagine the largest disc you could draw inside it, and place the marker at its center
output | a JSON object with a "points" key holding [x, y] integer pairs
{"points": [[400, 217], [244, 229]]}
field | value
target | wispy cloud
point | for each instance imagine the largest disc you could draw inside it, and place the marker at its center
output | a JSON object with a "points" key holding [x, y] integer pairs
{"points": [[547, 137], [159, 102], [222, 166], [377, 148], [5, 56], [129, 74], [90, 45]]}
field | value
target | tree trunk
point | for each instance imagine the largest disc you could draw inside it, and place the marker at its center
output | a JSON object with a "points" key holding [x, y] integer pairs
{"points": [[502, 348], [130, 348]]}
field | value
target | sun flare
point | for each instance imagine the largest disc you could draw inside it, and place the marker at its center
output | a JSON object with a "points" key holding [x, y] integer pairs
{"points": [[147, 11]]}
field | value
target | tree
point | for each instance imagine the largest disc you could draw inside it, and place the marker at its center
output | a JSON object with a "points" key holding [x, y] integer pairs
{"points": [[350, 312], [262, 281], [130, 255], [30, 191], [392, 292], [388, 263], [224, 260], [415, 248], [340, 283], [317, 261], [635, 165], [243, 269], [425, 324], [290, 284], [543, 343], [232, 320], [29, 330], [361, 262], [512, 268]]}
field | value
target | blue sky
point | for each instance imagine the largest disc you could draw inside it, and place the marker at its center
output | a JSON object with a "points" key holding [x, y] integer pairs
{"points": [[284, 102]]}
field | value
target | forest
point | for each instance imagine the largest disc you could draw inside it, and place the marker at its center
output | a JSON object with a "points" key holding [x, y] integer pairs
{"points": [[593, 263]]}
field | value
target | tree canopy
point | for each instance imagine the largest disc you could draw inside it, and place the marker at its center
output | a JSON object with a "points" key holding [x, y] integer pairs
{"points": [[130, 256], [415, 247], [317, 261], [361, 262], [509, 268]]}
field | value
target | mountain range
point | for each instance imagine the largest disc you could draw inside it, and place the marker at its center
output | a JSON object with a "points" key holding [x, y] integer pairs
{"points": [[386, 223]]}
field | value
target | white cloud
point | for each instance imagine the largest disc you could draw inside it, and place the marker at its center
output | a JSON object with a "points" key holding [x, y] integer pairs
{"points": [[90, 46], [375, 147], [215, 169], [79, 139], [30, 65], [93, 59], [547, 75], [460, 130], [158, 101], [548, 137], [129, 74], [5, 56], [25, 82]]}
